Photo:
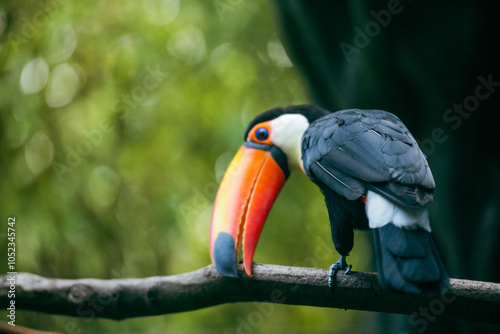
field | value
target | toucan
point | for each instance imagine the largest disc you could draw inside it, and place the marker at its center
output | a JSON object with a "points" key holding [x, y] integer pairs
{"points": [[371, 172]]}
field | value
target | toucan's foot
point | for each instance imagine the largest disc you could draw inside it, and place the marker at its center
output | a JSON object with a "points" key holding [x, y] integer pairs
{"points": [[341, 264]]}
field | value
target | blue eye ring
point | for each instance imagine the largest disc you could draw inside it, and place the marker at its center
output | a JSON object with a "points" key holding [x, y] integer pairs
{"points": [[261, 134]]}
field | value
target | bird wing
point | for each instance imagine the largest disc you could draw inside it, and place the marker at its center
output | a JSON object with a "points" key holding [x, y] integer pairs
{"points": [[354, 150]]}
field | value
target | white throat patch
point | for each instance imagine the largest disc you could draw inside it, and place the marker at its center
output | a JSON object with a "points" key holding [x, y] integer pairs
{"points": [[286, 133]]}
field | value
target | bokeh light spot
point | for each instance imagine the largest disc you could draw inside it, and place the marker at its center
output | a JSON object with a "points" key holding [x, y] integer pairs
{"points": [[34, 76], [188, 45], [161, 12], [65, 42], [277, 54], [38, 153], [63, 86]]}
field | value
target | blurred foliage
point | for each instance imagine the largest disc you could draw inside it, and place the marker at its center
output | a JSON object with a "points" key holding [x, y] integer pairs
{"points": [[118, 119]]}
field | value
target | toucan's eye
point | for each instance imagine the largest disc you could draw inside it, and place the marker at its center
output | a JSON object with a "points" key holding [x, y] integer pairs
{"points": [[261, 134]]}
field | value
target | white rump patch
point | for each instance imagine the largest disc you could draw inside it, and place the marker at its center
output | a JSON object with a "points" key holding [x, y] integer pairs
{"points": [[380, 212]]}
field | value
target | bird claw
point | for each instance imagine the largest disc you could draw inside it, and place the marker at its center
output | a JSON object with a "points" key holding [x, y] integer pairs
{"points": [[341, 264]]}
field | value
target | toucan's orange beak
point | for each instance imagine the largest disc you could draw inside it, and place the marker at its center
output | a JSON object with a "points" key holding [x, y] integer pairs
{"points": [[245, 196]]}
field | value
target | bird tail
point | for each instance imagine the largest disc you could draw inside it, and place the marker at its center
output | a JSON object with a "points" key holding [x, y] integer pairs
{"points": [[408, 261]]}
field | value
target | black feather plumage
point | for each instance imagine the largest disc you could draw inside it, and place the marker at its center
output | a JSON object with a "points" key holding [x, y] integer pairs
{"points": [[355, 150], [349, 152], [408, 260]]}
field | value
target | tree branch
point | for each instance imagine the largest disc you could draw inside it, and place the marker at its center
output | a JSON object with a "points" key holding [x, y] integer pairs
{"points": [[125, 298]]}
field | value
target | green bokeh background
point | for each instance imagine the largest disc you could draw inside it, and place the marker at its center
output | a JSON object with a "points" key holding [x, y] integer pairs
{"points": [[118, 119]]}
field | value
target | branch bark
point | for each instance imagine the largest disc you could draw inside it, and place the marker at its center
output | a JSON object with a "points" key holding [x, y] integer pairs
{"points": [[125, 298]]}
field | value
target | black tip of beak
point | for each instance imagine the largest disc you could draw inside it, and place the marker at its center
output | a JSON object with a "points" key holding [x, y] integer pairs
{"points": [[225, 255]]}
